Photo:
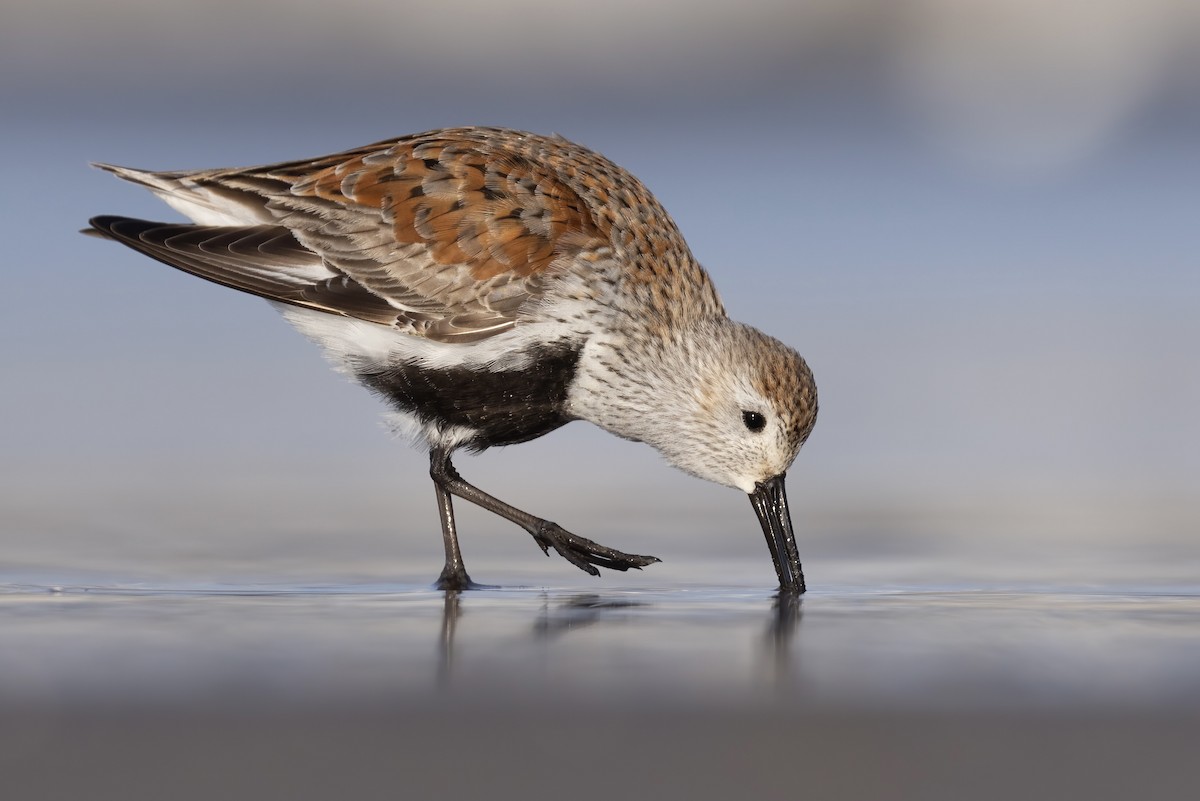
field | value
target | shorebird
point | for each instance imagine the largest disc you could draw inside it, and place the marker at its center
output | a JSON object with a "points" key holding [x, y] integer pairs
{"points": [[492, 285]]}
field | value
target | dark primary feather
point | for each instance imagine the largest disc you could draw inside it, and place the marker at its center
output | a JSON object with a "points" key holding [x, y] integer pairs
{"points": [[253, 259]]}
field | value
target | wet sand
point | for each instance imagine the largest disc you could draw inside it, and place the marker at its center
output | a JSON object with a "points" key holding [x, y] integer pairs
{"points": [[374, 690], [509, 751]]}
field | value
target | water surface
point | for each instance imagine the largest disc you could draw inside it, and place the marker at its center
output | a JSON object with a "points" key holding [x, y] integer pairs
{"points": [[704, 689]]}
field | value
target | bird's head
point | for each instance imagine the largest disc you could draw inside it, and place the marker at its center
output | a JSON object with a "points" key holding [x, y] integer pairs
{"points": [[727, 403], [750, 403]]}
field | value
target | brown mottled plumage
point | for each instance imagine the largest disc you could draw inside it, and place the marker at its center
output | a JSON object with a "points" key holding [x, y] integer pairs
{"points": [[492, 285]]}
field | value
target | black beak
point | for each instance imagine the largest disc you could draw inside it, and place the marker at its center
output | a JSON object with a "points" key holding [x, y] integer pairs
{"points": [[770, 504]]}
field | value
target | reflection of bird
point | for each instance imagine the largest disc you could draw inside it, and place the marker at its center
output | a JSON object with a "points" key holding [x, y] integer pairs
{"points": [[580, 611], [785, 622], [491, 286]]}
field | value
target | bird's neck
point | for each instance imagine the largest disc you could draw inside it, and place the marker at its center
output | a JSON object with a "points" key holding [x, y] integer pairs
{"points": [[626, 378]]}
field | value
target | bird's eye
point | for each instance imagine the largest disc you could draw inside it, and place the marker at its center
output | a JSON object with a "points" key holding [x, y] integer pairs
{"points": [[754, 421]]}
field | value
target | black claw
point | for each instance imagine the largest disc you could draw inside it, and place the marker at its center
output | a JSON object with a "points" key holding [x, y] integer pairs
{"points": [[586, 555]]}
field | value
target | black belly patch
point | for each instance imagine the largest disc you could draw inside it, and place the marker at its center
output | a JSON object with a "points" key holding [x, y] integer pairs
{"points": [[504, 408]]}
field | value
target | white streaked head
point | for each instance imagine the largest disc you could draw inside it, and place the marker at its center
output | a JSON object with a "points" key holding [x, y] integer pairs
{"points": [[721, 401]]}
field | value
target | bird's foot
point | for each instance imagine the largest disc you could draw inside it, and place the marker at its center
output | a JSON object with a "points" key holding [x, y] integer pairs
{"points": [[583, 553], [455, 579]]}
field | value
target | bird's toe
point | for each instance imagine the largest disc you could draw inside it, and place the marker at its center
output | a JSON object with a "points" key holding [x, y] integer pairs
{"points": [[584, 553]]}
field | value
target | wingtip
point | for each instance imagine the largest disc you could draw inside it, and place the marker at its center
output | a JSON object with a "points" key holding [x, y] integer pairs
{"points": [[101, 224], [97, 227], [105, 226]]}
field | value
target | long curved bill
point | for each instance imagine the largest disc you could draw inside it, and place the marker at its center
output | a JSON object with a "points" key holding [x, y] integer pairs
{"points": [[770, 504]]}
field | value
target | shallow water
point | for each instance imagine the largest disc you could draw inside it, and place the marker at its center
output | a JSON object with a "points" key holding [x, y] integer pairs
{"points": [[282, 644], [159, 689]]}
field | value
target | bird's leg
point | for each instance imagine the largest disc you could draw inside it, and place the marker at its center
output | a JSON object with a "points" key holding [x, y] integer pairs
{"points": [[579, 551], [454, 574]]}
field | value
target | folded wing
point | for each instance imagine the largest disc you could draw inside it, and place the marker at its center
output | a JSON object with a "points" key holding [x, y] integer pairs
{"points": [[447, 235]]}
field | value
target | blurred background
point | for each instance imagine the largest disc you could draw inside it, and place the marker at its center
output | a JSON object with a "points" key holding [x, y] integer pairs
{"points": [[977, 220]]}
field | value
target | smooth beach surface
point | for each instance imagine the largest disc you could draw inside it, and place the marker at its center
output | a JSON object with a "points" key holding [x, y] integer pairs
{"points": [[989, 687]]}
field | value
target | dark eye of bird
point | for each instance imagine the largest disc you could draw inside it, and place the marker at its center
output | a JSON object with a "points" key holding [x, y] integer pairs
{"points": [[754, 421]]}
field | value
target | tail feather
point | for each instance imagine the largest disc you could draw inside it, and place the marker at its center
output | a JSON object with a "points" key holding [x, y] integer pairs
{"points": [[156, 181], [194, 195]]}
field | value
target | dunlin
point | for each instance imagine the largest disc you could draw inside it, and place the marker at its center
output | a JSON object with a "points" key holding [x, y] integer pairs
{"points": [[492, 285]]}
